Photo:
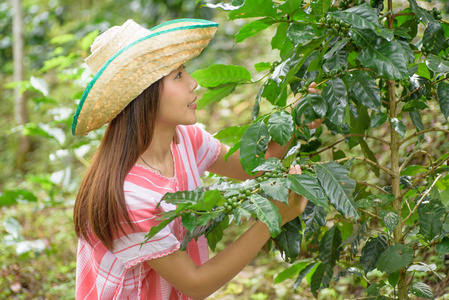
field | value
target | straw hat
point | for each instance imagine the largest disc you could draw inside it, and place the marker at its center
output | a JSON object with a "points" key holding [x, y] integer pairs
{"points": [[126, 59]]}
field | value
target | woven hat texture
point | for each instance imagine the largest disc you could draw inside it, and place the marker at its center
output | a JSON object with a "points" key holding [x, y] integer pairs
{"points": [[126, 59]]}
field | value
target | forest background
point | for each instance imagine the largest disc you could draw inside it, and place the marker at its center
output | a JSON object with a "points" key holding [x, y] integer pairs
{"points": [[42, 164]]}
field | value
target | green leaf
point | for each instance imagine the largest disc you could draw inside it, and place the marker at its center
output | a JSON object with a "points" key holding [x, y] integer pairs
{"points": [[288, 242], [290, 272], [89, 39], [251, 29], [216, 75], [386, 58], [329, 248], [40, 84], [364, 16], [395, 258], [155, 229], [12, 226], [422, 290], [189, 221], [321, 278], [300, 33], [231, 135], [307, 186], [443, 98], [378, 119], [320, 7], [336, 97], [271, 164], [215, 95], [398, 126], [393, 278], [11, 197], [371, 252], [421, 13], [62, 39], [355, 238], [378, 200], [253, 8], [262, 66], [290, 6], [340, 44], [413, 170], [363, 87], [268, 213], [280, 37], [214, 233], [434, 38], [253, 145], [390, 218], [431, 217], [437, 64], [280, 127], [314, 217], [312, 107], [276, 189], [304, 272], [368, 153], [338, 187], [415, 115]]}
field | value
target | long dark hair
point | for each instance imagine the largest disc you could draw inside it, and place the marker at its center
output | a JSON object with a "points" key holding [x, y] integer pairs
{"points": [[100, 204]]}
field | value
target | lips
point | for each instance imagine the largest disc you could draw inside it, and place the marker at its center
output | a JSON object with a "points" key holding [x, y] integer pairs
{"points": [[192, 104]]}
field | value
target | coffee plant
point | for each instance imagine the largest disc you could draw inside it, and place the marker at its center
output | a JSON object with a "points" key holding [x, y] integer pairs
{"points": [[383, 73]]}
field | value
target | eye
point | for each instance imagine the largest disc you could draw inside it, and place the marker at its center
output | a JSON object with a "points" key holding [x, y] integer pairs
{"points": [[178, 75]]}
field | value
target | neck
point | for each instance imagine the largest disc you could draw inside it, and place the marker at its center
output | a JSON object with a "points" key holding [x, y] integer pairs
{"points": [[158, 155]]}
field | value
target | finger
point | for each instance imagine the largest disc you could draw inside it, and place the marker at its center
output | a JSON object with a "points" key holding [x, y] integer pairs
{"points": [[312, 90], [312, 85]]}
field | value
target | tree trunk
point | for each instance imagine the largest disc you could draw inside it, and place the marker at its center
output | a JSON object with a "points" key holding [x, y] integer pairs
{"points": [[20, 115]]}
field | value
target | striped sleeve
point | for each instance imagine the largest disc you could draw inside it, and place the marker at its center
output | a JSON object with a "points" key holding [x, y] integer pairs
{"points": [[205, 147], [143, 211]]}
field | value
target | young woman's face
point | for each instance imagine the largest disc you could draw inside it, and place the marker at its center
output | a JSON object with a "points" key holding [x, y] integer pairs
{"points": [[177, 99]]}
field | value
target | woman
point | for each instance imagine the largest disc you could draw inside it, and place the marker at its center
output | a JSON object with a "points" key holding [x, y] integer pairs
{"points": [[152, 147]]}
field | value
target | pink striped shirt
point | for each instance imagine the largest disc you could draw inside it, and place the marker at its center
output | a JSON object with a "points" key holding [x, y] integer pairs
{"points": [[124, 272]]}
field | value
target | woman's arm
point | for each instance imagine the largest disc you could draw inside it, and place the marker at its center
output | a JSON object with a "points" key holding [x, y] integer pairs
{"points": [[198, 282]]}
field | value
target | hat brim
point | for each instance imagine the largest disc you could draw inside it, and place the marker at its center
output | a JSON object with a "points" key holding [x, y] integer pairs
{"points": [[135, 67]]}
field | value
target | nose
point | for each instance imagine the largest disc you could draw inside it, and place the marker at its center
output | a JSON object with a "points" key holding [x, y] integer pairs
{"points": [[193, 83]]}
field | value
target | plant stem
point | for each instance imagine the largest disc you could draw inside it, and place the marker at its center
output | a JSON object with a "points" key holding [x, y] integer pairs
{"points": [[421, 132], [394, 156], [423, 196], [372, 185], [411, 156]]}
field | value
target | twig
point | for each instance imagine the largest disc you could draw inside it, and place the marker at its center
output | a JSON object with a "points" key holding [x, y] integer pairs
{"points": [[370, 214], [417, 89], [422, 176], [408, 230], [411, 156], [328, 147], [421, 132], [371, 185], [375, 164], [368, 136], [422, 198]]}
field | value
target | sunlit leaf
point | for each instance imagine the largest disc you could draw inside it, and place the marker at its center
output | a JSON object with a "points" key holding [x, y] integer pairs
{"points": [[216, 75], [422, 290], [215, 95], [251, 29], [390, 218]]}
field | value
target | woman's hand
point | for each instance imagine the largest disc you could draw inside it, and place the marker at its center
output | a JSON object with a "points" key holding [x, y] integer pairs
{"points": [[317, 123], [296, 203]]}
